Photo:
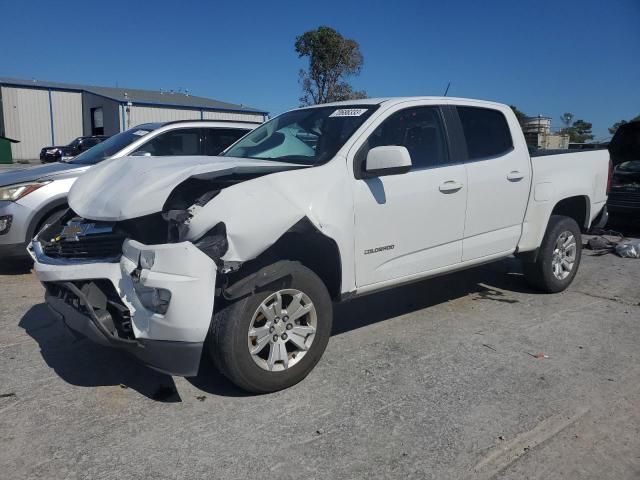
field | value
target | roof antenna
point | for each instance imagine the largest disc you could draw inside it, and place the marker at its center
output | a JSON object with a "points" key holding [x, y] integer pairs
{"points": [[447, 89]]}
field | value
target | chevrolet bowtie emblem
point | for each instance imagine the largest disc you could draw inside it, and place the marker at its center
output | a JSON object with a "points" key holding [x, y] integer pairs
{"points": [[73, 231]]}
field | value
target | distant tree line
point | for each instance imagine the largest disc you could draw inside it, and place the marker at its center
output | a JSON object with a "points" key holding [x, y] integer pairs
{"points": [[579, 131]]}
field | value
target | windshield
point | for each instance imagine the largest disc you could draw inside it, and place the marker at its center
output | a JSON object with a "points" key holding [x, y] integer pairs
{"points": [[75, 142], [109, 147], [308, 136]]}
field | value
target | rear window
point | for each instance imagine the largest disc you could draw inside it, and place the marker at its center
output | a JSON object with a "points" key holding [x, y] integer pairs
{"points": [[486, 132]]}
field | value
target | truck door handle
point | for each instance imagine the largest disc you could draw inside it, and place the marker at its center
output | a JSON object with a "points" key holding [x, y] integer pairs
{"points": [[450, 186], [515, 176]]}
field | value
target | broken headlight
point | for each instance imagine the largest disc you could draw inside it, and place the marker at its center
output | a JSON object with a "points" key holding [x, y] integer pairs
{"points": [[214, 243]]}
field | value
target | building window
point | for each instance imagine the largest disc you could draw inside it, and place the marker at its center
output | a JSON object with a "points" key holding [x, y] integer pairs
{"points": [[97, 121]]}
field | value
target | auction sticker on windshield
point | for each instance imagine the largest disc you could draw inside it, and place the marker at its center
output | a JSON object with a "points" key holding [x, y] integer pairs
{"points": [[141, 133], [348, 112]]}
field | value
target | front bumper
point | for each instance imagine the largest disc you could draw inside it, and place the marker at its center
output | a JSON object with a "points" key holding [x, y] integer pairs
{"points": [[50, 157], [171, 342]]}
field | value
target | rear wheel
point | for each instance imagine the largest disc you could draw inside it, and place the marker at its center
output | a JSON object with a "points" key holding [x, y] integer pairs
{"points": [[558, 258], [273, 338]]}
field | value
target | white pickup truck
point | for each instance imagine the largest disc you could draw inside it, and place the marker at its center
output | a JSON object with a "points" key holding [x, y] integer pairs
{"points": [[246, 253]]}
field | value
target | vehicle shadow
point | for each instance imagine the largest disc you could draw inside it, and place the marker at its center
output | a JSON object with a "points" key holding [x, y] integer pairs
{"points": [[15, 267], [83, 363], [80, 362], [488, 281]]}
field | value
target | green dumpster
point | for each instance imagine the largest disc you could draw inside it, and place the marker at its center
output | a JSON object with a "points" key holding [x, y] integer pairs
{"points": [[5, 149]]}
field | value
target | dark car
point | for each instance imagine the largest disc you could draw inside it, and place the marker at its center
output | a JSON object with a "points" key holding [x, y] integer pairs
{"points": [[624, 196], [79, 145]]}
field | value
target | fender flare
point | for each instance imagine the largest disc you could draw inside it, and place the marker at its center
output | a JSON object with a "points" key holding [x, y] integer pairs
{"points": [[257, 280]]}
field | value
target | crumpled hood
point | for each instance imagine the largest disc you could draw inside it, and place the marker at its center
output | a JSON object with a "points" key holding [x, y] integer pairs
{"points": [[131, 187], [40, 172]]}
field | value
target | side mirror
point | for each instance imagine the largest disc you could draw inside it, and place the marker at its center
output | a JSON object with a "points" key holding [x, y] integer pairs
{"points": [[140, 153], [388, 160]]}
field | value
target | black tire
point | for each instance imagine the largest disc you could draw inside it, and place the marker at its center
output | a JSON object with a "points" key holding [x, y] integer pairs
{"points": [[539, 274], [228, 338]]}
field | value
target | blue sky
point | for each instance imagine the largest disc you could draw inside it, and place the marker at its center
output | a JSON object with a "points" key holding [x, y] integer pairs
{"points": [[545, 56]]}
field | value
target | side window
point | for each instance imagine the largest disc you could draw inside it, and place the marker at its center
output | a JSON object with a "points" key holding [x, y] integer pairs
{"points": [[418, 129], [185, 141], [486, 132], [217, 139]]}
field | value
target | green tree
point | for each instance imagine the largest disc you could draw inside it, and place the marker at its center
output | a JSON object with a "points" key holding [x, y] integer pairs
{"points": [[580, 131], [332, 59], [567, 119], [614, 128], [520, 115]]}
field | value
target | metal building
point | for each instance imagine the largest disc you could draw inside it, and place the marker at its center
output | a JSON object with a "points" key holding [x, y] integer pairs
{"points": [[39, 113]]}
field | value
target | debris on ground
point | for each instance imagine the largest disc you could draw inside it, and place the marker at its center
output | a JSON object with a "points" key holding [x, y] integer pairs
{"points": [[610, 241], [629, 249], [123, 386], [7, 395], [490, 347], [201, 398], [538, 355]]}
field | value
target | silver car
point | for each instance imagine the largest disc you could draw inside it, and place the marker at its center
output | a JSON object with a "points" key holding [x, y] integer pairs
{"points": [[33, 197]]}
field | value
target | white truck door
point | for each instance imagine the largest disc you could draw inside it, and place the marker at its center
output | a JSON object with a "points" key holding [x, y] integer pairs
{"points": [[499, 176], [412, 222]]}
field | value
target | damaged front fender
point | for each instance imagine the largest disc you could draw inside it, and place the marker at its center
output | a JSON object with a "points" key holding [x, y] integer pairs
{"points": [[257, 213]]}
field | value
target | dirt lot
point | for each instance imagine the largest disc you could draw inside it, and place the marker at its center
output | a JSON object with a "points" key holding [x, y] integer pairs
{"points": [[441, 379]]}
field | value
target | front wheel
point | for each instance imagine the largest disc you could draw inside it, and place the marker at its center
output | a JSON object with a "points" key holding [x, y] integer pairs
{"points": [[558, 257], [272, 338]]}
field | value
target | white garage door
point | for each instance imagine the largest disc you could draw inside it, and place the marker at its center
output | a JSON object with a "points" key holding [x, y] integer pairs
{"points": [[27, 119], [67, 116]]}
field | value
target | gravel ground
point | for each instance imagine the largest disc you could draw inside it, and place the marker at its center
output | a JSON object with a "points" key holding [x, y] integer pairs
{"points": [[472, 375]]}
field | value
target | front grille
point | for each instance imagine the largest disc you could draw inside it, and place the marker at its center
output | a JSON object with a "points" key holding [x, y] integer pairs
{"points": [[94, 246], [72, 237]]}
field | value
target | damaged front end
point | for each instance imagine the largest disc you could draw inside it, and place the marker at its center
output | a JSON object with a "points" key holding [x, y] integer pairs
{"points": [[145, 284], [154, 301]]}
